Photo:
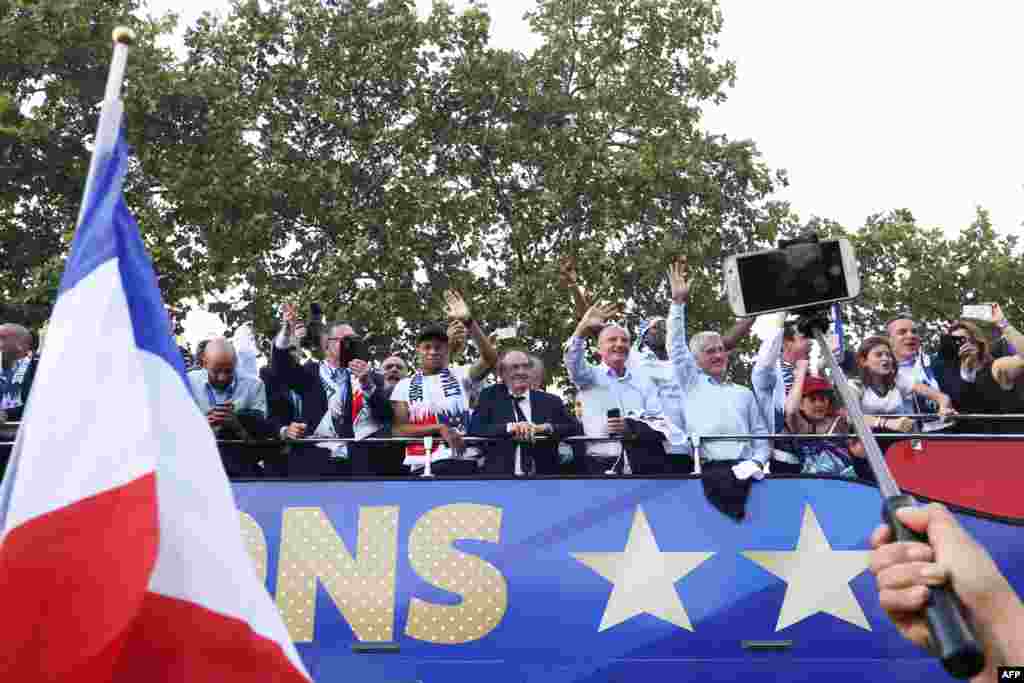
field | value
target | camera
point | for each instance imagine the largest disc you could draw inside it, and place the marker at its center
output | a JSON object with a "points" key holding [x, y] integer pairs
{"points": [[353, 348], [949, 348], [803, 273], [314, 328]]}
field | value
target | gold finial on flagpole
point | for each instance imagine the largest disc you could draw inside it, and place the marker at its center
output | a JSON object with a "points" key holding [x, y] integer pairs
{"points": [[123, 35]]}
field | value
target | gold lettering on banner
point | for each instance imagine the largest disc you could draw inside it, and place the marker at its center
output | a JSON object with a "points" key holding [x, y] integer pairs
{"points": [[481, 585], [362, 587], [256, 544]]}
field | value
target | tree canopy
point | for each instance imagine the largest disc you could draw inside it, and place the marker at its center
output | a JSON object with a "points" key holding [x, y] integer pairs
{"points": [[355, 154]]}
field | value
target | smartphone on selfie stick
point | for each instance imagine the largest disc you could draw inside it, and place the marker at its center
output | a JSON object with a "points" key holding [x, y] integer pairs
{"points": [[807, 276]]}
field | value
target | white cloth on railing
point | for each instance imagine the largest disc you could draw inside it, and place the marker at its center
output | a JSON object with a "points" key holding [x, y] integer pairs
{"points": [[747, 469]]}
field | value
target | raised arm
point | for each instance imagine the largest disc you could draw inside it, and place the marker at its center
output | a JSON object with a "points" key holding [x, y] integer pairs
{"points": [[764, 375], [796, 394], [683, 363], [933, 394], [569, 279], [580, 372], [458, 310], [1015, 338], [284, 367], [739, 330], [1008, 371]]}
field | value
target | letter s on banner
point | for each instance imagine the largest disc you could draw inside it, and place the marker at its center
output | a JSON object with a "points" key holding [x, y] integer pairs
{"points": [[433, 556]]}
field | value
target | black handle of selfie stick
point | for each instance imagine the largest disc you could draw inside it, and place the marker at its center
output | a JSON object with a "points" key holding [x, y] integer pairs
{"points": [[955, 642]]}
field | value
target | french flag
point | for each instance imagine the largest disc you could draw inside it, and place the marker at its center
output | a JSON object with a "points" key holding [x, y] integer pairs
{"points": [[121, 555]]}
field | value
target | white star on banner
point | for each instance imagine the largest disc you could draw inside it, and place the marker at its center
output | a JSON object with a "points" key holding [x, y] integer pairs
{"points": [[644, 577], [817, 577]]}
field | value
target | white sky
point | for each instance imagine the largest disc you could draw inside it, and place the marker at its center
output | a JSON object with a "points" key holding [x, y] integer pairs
{"points": [[869, 106]]}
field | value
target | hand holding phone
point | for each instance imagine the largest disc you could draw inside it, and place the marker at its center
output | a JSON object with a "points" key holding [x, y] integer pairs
{"points": [[616, 424], [981, 312]]}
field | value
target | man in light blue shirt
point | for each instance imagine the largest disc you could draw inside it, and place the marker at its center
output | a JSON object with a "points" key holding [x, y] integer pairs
{"points": [[235, 406], [772, 378], [612, 386], [712, 404]]}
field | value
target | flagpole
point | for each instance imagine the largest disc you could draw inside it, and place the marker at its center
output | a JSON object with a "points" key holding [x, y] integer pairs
{"points": [[123, 38], [110, 113]]}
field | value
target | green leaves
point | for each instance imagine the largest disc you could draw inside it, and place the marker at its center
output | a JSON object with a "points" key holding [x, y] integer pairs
{"points": [[351, 153]]}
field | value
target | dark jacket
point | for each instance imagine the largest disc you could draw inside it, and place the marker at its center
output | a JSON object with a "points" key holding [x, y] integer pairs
{"points": [[308, 460], [14, 414], [496, 410]]}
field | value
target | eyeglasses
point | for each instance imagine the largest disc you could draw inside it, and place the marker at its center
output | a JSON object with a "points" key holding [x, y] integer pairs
{"points": [[393, 366]]}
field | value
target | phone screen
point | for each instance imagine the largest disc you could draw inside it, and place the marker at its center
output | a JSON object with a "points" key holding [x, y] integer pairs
{"points": [[801, 275]]}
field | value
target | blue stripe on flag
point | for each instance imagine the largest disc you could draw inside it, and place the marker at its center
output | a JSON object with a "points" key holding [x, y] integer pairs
{"points": [[108, 230]]}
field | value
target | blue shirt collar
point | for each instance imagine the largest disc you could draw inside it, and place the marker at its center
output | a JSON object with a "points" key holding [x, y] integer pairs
{"points": [[626, 376]]}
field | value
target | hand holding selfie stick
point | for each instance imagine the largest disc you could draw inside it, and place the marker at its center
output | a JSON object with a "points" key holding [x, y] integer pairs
{"points": [[955, 642]]}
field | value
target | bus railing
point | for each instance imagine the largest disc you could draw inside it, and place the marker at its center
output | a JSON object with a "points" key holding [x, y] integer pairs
{"points": [[693, 441]]}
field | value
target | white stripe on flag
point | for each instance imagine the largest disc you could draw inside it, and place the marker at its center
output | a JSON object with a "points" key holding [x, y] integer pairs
{"points": [[68, 448]]}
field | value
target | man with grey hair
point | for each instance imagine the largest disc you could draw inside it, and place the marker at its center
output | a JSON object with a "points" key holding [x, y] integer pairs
{"points": [[17, 370], [235, 406], [712, 404], [616, 401]]}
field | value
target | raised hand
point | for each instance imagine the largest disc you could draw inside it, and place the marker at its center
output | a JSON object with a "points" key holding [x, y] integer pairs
{"points": [[997, 314], [595, 317], [567, 273], [678, 281], [456, 306], [456, 337], [969, 356], [570, 280], [360, 369]]}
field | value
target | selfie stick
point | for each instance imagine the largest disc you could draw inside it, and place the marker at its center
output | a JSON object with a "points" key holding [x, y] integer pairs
{"points": [[954, 640]]}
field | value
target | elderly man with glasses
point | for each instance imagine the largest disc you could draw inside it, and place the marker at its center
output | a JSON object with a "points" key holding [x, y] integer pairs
{"points": [[714, 405]]}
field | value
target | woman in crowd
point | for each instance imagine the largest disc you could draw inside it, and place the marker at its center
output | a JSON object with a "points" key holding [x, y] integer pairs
{"points": [[962, 351], [990, 386], [883, 391], [810, 409]]}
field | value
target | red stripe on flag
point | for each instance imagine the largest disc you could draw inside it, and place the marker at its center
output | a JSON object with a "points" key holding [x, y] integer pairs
{"points": [[71, 582], [175, 640]]}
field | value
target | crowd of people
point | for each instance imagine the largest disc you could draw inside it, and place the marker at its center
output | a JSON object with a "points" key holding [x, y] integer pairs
{"points": [[644, 407]]}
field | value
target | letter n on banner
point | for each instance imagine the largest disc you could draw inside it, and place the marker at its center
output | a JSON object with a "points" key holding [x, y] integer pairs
{"points": [[362, 587]]}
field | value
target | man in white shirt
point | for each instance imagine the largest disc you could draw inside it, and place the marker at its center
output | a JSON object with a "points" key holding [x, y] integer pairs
{"points": [[612, 393], [235, 406], [436, 400]]}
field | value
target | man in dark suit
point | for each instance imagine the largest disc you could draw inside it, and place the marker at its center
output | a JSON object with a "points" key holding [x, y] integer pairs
{"points": [[381, 459], [17, 370], [511, 409], [315, 383]]}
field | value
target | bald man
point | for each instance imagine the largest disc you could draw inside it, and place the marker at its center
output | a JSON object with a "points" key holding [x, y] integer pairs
{"points": [[616, 401], [17, 369], [235, 407]]}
